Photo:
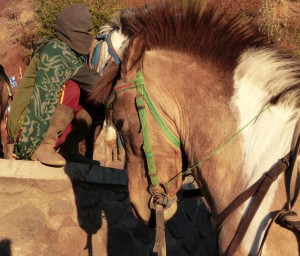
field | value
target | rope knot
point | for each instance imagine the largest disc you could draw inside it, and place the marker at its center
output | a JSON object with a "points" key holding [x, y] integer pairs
{"points": [[160, 197]]}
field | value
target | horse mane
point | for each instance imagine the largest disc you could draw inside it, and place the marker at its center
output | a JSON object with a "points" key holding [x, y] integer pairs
{"points": [[192, 29], [103, 88], [206, 33]]}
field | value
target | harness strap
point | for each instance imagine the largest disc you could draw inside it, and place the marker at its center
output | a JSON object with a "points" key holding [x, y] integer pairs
{"points": [[160, 121], [95, 56], [289, 218], [140, 102], [277, 215], [295, 162], [259, 189], [142, 98], [263, 188], [134, 84], [251, 191], [94, 60], [111, 50], [236, 203], [160, 238], [157, 117]]}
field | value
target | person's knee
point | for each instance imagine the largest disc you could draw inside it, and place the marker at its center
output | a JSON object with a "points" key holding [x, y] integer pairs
{"points": [[70, 94]]}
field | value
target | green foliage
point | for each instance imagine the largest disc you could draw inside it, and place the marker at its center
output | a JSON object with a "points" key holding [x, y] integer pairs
{"points": [[47, 11], [273, 24], [296, 42]]}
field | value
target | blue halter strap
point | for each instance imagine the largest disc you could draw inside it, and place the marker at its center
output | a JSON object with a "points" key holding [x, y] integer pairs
{"points": [[111, 50]]}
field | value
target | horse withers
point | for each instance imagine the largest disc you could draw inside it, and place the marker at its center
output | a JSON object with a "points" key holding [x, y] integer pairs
{"points": [[203, 91], [5, 95]]}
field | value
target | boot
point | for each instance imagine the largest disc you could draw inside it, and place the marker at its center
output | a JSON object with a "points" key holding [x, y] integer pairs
{"points": [[70, 148], [46, 153]]}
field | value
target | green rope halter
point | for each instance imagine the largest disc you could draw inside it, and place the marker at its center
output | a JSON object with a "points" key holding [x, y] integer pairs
{"points": [[143, 99]]}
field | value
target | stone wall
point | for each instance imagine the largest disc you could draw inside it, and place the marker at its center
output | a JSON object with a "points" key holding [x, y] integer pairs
{"points": [[84, 211]]}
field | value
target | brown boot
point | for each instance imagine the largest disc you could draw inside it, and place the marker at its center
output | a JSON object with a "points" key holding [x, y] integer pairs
{"points": [[46, 153], [70, 148]]}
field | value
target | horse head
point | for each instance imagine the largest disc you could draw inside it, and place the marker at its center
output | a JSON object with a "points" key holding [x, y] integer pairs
{"points": [[145, 143]]}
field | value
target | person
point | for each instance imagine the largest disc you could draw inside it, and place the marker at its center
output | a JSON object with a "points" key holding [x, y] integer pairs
{"points": [[46, 110]]}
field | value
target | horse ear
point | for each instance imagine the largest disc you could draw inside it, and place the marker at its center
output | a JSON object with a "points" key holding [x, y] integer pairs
{"points": [[135, 53], [104, 85]]}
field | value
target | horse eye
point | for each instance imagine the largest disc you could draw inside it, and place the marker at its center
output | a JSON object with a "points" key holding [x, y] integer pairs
{"points": [[118, 124]]}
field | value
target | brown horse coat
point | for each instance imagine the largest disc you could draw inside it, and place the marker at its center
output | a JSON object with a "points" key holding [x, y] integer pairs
{"points": [[210, 77]]}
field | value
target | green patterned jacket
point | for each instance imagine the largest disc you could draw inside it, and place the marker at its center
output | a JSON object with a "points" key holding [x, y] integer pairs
{"points": [[37, 97]]}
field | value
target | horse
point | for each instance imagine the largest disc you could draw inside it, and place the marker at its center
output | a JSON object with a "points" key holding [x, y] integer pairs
{"points": [[107, 46], [6, 94], [201, 92]]}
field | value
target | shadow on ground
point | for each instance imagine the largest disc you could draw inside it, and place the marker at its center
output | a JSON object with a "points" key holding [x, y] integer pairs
{"points": [[5, 247], [101, 206]]}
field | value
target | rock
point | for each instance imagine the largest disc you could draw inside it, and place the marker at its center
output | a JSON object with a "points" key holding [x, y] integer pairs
{"points": [[53, 186], [71, 240], [60, 206]]}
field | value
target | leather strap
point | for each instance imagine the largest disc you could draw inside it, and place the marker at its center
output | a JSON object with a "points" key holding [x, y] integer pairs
{"points": [[264, 186], [160, 238], [247, 194], [258, 190], [289, 218], [295, 163]]}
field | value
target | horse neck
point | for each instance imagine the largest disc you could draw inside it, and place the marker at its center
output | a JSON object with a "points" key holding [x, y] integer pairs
{"points": [[207, 106]]}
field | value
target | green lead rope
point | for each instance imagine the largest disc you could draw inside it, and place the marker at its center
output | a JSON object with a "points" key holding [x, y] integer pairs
{"points": [[188, 171]]}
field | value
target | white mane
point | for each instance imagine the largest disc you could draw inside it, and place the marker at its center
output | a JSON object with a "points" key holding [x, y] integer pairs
{"points": [[259, 76]]}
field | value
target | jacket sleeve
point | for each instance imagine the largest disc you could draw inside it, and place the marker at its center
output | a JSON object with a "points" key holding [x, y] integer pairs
{"points": [[86, 78]]}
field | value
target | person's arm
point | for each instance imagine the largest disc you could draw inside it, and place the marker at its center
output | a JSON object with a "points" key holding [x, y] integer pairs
{"points": [[86, 78]]}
